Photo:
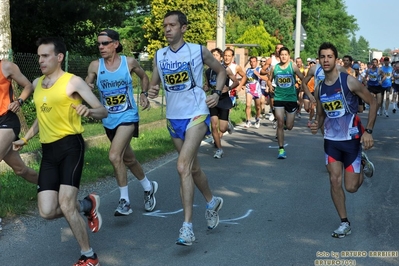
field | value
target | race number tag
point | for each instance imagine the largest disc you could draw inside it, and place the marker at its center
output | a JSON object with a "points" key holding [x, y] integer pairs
{"points": [[284, 81], [333, 105], [115, 101]]}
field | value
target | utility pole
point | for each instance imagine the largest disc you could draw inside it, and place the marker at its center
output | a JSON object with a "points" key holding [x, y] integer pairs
{"points": [[220, 25], [298, 28]]}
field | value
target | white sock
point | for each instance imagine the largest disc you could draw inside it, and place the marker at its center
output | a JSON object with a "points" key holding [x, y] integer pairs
{"points": [[212, 203], [124, 193], [146, 184], [189, 225]]}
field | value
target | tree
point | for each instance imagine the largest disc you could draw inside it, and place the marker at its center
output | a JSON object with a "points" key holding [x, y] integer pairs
{"points": [[5, 29], [276, 14], [201, 15], [259, 35], [76, 21], [326, 21]]}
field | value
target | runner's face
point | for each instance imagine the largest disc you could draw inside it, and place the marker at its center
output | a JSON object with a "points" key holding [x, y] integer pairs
{"points": [[217, 56], [284, 57], [346, 62], [48, 60], [228, 57], [327, 60], [172, 29], [299, 62], [253, 62]]}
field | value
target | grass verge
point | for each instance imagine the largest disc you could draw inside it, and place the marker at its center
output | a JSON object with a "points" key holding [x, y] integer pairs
{"points": [[18, 196]]}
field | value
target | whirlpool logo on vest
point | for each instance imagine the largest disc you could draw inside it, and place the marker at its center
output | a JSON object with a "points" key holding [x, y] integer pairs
{"points": [[107, 84], [165, 64]]}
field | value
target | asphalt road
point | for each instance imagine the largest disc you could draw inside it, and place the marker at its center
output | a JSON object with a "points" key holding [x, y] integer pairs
{"points": [[275, 212]]}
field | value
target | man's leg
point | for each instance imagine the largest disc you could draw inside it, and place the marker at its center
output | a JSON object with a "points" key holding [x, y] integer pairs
{"points": [[248, 107], [279, 113], [337, 192], [215, 131], [13, 159]]}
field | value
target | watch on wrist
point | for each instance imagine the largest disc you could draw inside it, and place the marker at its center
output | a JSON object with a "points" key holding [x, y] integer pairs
{"points": [[145, 93], [370, 131], [20, 101], [218, 92]]}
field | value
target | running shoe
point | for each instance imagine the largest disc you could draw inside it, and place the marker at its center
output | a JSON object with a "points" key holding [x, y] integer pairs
{"points": [[393, 110], [149, 197], [212, 216], [93, 216], [247, 124], [123, 208], [386, 113], [257, 123], [281, 154], [186, 236], [309, 123], [378, 113], [343, 230], [368, 166], [230, 128], [87, 261], [298, 115], [274, 124], [218, 154], [271, 117]]}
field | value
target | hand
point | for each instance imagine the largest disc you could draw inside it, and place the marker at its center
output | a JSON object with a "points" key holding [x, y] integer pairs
{"points": [[314, 127], [367, 141], [14, 106], [312, 99], [144, 102], [18, 145], [91, 85], [81, 110], [153, 92], [212, 100]]}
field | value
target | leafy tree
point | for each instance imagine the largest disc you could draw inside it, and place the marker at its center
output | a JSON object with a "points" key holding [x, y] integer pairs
{"points": [[76, 21], [277, 15], [5, 30], [201, 15], [326, 21], [259, 35]]}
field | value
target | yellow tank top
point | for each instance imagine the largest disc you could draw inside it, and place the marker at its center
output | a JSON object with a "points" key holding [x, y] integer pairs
{"points": [[57, 119]]}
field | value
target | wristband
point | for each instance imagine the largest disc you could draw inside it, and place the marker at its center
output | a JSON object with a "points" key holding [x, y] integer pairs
{"points": [[25, 141], [145, 93]]}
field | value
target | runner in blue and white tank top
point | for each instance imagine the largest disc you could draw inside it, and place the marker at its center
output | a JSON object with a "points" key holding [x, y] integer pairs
{"points": [[395, 87], [113, 73], [337, 104], [179, 68], [253, 91], [374, 76]]}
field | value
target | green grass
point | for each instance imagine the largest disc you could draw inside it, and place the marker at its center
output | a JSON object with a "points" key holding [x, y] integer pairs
{"points": [[18, 196]]}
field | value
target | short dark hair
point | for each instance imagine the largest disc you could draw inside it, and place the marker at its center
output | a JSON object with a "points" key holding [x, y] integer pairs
{"points": [[328, 45], [182, 18], [59, 45], [349, 57], [218, 50], [284, 49], [229, 49]]}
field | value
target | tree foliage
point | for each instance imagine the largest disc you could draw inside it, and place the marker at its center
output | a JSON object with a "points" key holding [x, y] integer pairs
{"points": [[76, 21], [259, 35], [326, 21], [276, 14], [201, 15]]}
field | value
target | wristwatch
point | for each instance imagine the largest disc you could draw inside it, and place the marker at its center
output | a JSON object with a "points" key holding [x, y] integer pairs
{"points": [[218, 92], [145, 93], [20, 101], [370, 131]]}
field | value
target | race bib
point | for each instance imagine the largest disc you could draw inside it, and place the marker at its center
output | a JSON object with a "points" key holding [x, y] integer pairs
{"points": [[333, 105], [116, 100]]}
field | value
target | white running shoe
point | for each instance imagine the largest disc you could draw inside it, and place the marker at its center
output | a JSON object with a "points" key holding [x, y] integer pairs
{"points": [[218, 154], [271, 117], [368, 166], [186, 236], [248, 124], [212, 215], [257, 123], [343, 230], [386, 113], [230, 127]]}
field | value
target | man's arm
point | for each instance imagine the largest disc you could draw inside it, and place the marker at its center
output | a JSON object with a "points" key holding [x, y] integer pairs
{"points": [[357, 88], [320, 115], [144, 81], [155, 81], [243, 81], [78, 85], [92, 73], [11, 70], [305, 81], [33, 130]]}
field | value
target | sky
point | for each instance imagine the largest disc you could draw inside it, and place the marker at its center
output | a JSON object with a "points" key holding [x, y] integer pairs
{"points": [[377, 21]]}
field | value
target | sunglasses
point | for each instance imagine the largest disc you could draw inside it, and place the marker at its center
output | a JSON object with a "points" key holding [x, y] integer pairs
{"points": [[263, 61], [104, 43]]}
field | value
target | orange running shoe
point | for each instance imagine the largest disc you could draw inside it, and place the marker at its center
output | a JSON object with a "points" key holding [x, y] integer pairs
{"points": [[94, 217], [87, 261]]}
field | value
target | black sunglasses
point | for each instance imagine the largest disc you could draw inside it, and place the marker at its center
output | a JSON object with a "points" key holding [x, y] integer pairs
{"points": [[263, 61], [104, 43]]}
